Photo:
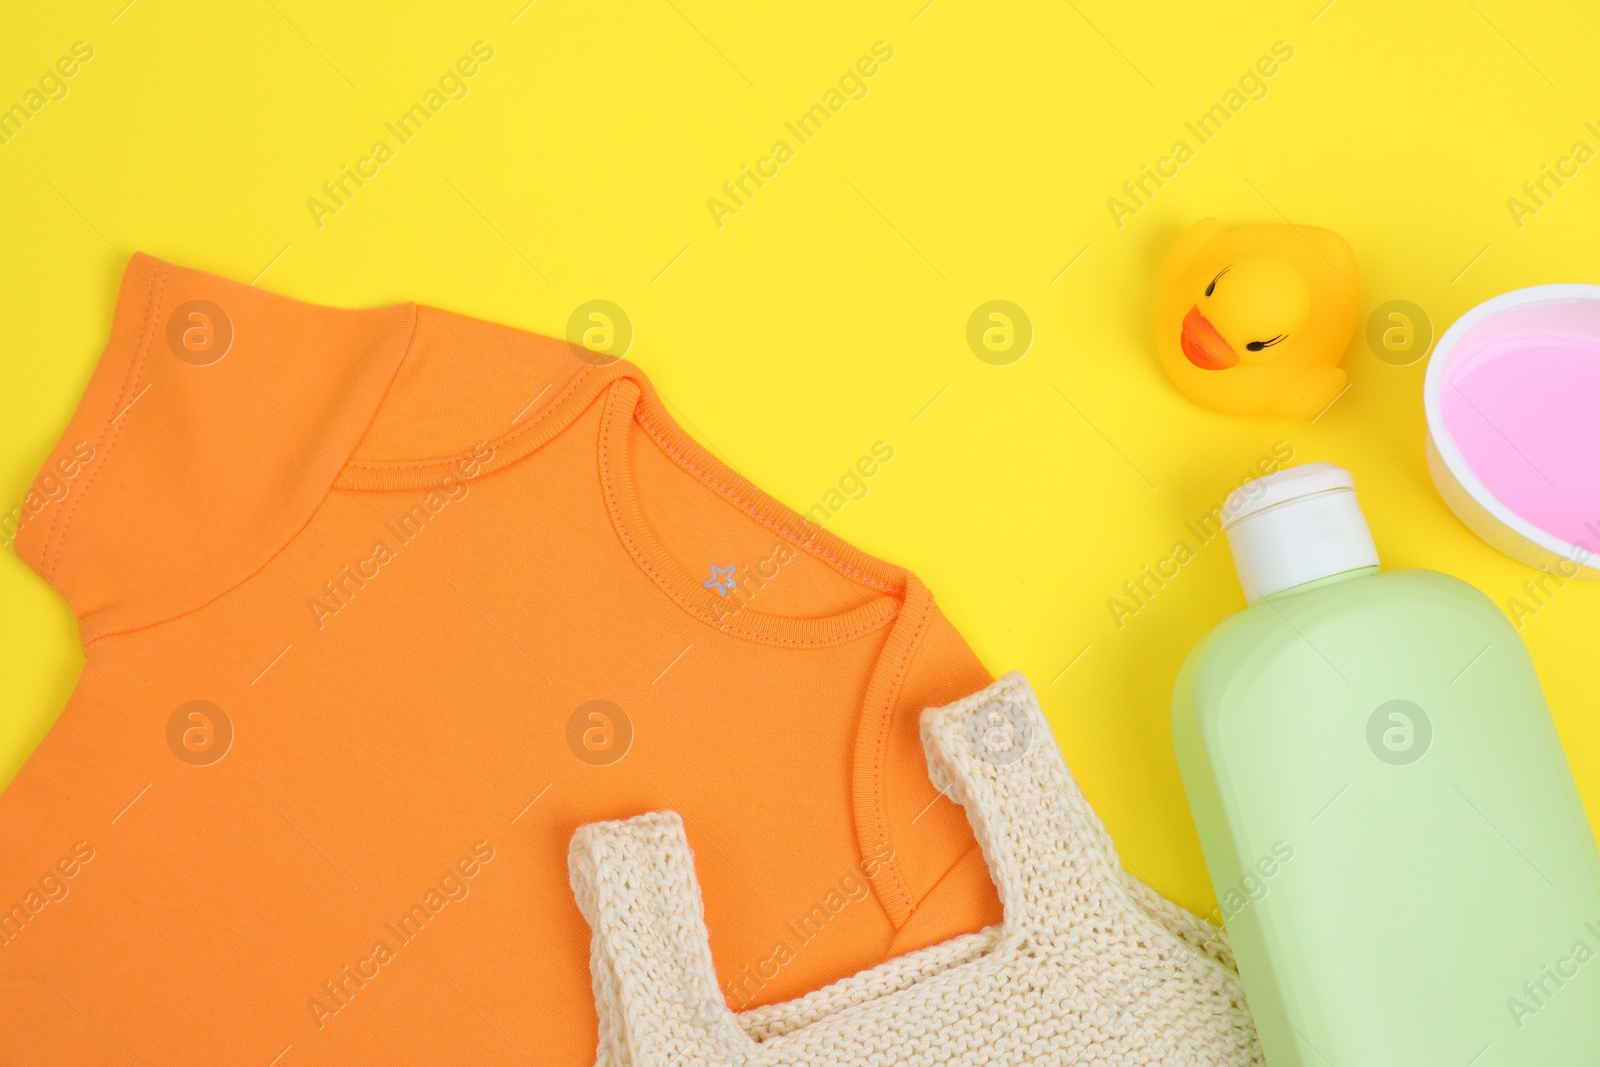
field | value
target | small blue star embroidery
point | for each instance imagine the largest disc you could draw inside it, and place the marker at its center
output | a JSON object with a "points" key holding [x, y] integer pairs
{"points": [[721, 579]]}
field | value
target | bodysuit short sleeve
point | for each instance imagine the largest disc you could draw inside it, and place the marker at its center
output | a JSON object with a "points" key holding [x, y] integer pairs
{"points": [[217, 419]]}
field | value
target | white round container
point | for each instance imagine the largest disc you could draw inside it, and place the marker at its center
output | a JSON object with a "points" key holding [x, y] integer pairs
{"points": [[1563, 308]]}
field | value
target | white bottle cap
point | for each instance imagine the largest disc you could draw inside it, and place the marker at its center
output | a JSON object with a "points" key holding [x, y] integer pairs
{"points": [[1295, 526]]}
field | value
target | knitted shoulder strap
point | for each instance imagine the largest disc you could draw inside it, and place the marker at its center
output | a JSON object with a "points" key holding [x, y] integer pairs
{"points": [[655, 988], [993, 753], [1047, 851]]}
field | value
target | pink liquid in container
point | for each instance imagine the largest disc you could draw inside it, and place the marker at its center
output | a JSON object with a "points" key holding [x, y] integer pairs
{"points": [[1513, 400]]}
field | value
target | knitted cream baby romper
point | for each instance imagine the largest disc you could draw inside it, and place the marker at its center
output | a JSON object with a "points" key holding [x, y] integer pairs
{"points": [[1089, 965]]}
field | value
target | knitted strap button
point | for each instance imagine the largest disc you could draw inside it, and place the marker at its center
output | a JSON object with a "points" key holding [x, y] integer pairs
{"points": [[999, 732]]}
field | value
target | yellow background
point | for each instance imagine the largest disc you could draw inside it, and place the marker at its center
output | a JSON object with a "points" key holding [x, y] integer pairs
{"points": [[831, 309]]}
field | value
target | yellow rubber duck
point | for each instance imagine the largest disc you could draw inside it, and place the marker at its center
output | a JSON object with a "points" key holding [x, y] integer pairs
{"points": [[1255, 320]]}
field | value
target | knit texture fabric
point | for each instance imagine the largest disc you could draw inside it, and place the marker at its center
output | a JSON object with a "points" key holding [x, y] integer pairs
{"points": [[1089, 965]]}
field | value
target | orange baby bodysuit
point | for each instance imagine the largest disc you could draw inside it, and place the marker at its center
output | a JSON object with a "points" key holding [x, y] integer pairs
{"points": [[378, 607]]}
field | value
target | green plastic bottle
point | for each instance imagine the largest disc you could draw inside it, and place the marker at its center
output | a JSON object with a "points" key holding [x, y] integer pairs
{"points": [[1395, 838]]}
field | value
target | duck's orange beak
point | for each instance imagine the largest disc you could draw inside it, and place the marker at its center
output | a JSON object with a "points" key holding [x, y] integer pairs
{"points": [[1205, 347]]}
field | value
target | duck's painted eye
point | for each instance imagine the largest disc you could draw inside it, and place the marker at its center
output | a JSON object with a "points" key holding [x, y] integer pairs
{"points": [[1213, 286], [1256, 346]]}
